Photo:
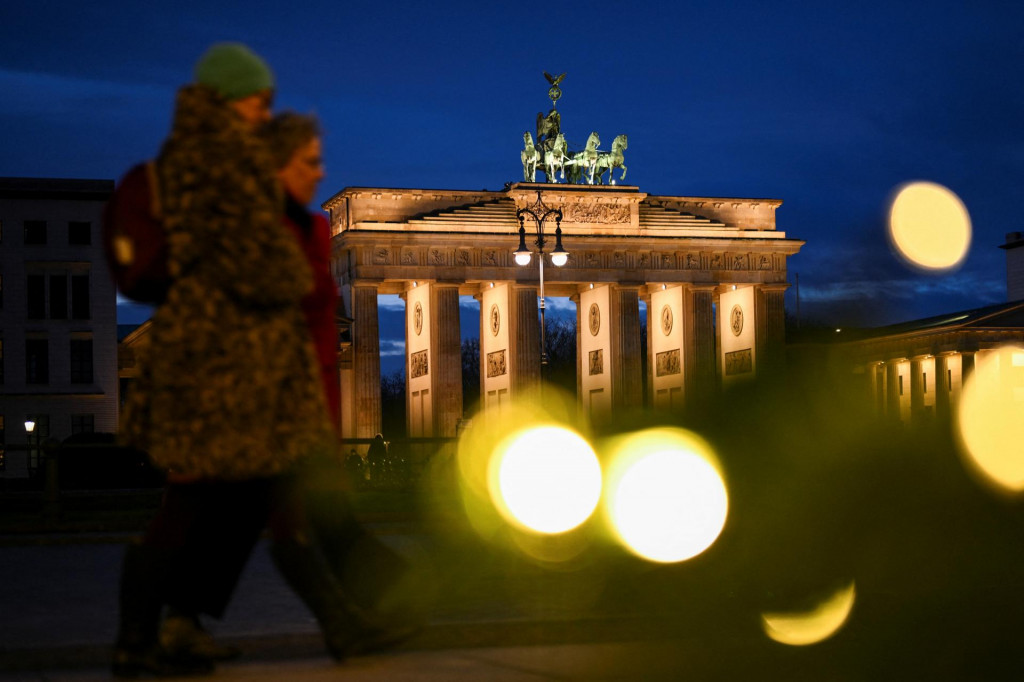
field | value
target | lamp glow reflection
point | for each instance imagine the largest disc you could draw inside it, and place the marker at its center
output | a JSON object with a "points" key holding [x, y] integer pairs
{"points": [[666, 498]]}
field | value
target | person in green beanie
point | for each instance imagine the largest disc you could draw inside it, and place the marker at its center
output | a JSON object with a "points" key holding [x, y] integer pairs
{"points": [[241, 77], [229, 397]]}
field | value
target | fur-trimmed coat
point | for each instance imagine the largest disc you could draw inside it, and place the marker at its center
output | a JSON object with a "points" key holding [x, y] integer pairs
{"points": [[231, 388]]}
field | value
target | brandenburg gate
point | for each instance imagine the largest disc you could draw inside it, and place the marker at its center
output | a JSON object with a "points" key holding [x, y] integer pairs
{"points": [[711, 271]]}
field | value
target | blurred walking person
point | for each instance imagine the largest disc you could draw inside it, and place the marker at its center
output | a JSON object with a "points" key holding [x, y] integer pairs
{"points": [[229, 396]]}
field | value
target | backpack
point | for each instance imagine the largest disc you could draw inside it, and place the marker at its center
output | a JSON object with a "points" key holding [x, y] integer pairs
{"points": [[134, 237]]}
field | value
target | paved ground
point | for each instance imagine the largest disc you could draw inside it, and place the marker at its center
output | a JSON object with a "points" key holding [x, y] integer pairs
{"points": [[943, 605], [565, 663], [59, 618]]}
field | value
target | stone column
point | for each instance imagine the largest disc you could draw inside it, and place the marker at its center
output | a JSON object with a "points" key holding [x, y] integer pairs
{"points": [[917, 369], [699, 355], [770, 309], [878, 388], [575, 298], [524, 340], [966, 366], [649, 352], [484, 327], [627, 380], [942, 411], [366, 360], [892, 390], [446, 360]]}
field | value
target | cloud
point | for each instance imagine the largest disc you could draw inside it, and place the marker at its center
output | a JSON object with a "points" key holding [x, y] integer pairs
{"points": [[390, 303], [78, 127], [31, 93], [986, 290], [392, 348]]}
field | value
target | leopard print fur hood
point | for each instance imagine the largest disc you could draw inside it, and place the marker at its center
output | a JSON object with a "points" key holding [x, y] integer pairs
{"points": [[231, 388]]}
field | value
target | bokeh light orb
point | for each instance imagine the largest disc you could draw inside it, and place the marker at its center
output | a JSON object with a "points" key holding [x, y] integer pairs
{"points": [[929, 226], [666, 498], [991, 418], [815, 625], [545, 479]]}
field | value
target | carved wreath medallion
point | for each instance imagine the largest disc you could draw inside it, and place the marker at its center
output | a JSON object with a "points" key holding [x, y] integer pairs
{"points": [[595, 319], [736, 320], [417, 318], [495, 319], [666, 319]]}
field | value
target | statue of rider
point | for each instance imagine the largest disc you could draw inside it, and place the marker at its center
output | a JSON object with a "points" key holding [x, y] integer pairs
{"points": [[548, 128]]}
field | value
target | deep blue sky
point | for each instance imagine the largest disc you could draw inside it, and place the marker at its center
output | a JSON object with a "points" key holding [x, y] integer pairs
{"points": [[827, 106]]}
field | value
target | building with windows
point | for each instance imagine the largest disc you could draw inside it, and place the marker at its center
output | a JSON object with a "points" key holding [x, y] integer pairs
{"points": [[58, 326]]}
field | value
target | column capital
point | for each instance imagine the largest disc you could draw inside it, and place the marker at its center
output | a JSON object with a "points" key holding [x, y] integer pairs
{"points": [[627, 286], [773, 286], [700, 286]]}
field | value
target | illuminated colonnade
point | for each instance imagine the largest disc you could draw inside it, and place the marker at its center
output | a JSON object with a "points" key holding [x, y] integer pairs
{"points": [[916, 371], [685, 257]]}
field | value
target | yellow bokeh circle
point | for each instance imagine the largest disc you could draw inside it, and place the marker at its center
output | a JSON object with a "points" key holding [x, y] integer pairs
{"points": [[545, 479], [666, 498], [816, 625], [929, 226], [991, 418]]}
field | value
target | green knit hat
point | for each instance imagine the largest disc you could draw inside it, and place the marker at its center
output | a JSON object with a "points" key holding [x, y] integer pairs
{"points": [[233, 70]]}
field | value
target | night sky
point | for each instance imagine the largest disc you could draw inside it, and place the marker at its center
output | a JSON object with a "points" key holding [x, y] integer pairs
{"points": [[826, 106]]}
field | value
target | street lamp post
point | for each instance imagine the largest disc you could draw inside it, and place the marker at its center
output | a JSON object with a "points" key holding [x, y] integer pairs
{"points": [[559, 256], [30, 427]]}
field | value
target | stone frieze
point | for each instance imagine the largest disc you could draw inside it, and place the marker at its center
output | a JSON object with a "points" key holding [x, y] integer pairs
{"points": [[595, 213]]}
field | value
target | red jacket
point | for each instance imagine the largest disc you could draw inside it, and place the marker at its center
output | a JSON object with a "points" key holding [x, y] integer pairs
{"points": [[314, 233]]}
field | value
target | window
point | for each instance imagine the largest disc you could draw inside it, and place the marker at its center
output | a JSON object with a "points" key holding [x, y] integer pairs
{"points": [[79, 233], [80, 297], [949, 380], [924, 381], [901, 384], [36, 290], [58, 297], [81, 361], [35, 232], [37, 361], [83, 423]]}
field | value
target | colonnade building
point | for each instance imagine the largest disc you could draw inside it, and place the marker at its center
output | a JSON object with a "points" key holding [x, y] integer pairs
{"points": [[711, 271]]}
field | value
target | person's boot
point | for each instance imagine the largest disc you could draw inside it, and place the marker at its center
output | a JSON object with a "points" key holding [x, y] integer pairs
{"points": [[182, 636], [137, 651]]}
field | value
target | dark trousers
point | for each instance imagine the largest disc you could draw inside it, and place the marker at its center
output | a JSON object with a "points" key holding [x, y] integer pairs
{"points": [[207, 531]]}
